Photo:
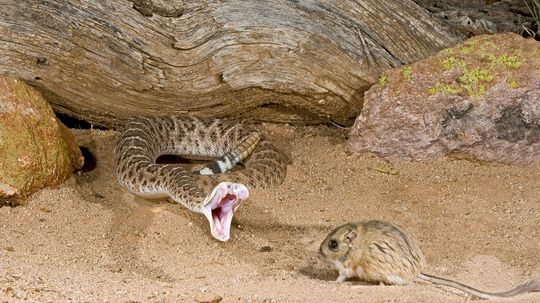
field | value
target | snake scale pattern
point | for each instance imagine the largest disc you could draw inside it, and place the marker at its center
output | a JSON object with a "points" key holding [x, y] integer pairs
{"points": [[213, 190]]}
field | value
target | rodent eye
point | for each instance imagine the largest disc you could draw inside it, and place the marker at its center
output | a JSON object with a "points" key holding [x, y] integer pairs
{"points": [[332, 244]]}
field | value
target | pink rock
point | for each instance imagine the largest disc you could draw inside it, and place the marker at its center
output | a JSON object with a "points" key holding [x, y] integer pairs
{"points": [[480, 98]]}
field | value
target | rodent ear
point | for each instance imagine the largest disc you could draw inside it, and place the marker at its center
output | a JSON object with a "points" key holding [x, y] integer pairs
{"points": [[349, 237]]}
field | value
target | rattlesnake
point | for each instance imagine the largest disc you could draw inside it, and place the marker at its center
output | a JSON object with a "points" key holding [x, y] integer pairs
{"points": [[206, 190]]}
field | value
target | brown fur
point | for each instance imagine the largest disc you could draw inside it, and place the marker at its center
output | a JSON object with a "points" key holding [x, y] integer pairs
{"points": [[380, 252]]}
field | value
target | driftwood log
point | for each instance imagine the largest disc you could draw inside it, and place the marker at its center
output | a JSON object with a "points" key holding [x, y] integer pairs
{"points": [[304, 61]]}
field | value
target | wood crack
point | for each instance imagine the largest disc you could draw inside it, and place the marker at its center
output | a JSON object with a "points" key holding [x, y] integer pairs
{"points": [[148, 8]]}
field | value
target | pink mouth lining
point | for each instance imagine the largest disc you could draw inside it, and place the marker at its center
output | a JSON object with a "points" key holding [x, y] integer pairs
{"points": [[219, 211]]}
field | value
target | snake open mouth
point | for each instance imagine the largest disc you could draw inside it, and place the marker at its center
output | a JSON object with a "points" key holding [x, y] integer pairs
{"points": [[221, 205]]}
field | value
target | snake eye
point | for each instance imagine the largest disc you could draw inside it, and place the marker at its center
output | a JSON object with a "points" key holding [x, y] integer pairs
{"points": [[332, 244]]}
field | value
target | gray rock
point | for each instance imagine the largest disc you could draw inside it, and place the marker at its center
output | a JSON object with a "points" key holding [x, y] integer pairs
{"points": [[476, 17]]}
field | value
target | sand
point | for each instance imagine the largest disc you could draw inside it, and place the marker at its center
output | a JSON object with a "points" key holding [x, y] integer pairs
{"points": [[91, 241]]}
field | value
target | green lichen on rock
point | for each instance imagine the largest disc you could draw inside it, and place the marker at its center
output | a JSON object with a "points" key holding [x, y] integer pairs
{"points": [[407, 73], [445, 88], [478, 99], [36, 151], [512, 83], [382, 80], [474, 81], [505, 60], [451, 62], [479, 62]]}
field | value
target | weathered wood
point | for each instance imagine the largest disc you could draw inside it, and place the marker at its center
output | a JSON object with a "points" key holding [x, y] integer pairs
{"points": [[296, 61]]}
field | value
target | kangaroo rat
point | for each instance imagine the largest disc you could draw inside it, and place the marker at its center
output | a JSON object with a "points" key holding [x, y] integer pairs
{"points": [[378, 251]]}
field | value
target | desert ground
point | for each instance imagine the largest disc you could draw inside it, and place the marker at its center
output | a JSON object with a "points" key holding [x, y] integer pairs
{"points": [[89, 240]]}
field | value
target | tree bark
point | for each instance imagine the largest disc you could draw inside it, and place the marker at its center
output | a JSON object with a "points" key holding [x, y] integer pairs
{"points": [[288, 61]]}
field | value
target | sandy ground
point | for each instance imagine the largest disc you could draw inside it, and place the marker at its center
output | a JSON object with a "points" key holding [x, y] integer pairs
{"points": [[91, 241]]}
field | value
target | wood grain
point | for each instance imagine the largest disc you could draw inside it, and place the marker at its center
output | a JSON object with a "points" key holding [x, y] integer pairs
{"points": [[287, 61]]}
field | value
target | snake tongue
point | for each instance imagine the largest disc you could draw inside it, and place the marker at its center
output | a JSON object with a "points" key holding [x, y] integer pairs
{"points": [[219, 210]]}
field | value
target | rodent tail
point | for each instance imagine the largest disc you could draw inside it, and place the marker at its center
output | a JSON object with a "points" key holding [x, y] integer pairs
{"points": [[529, 286]]}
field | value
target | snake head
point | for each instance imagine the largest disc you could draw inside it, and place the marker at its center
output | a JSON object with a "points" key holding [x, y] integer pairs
{"points": [[220, 206]]}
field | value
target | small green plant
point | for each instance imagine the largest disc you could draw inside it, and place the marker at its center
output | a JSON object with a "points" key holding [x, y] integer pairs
{"points": [[508, 61], [450, 62], [534, 9], [444, 88], [475, 75], [447, 51], [512, 83], [382, 80], [472, 81], [407, 72]]}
